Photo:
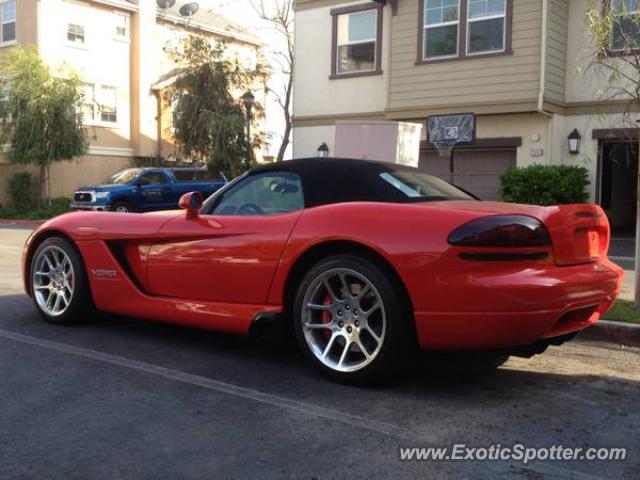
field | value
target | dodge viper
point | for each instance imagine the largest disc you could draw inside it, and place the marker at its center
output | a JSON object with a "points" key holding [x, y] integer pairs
{"points": [[364, 261]]}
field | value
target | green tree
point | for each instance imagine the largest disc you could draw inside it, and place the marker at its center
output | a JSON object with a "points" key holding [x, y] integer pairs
{"points": [[615, 28], [42, 116], [209, 116]]}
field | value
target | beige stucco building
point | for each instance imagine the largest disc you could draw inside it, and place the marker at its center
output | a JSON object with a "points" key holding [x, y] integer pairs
{"points": [[519, 65], [123, 51]]}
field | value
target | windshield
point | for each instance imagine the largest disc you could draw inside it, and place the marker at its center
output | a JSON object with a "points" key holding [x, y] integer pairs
{"points": [[420, 186], [123, 177]]}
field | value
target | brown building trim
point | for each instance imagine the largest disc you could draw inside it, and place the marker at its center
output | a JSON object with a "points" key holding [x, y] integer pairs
{"points": [[462, 36], [328, 120], [361, 7], [301, 5], [601, 106], [620, 134], [480, 143]]}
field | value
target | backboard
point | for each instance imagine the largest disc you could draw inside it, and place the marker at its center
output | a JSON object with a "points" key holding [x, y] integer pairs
{"points": [[455, 129]]}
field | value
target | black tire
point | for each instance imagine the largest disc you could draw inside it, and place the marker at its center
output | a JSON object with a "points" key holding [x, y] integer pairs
{"points": [[399, 339], [122, 207], [80, 306]]}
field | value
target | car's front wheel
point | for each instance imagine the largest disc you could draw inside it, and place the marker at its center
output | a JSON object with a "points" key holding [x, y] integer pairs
{"points": [[350, 320], [58, 282]]}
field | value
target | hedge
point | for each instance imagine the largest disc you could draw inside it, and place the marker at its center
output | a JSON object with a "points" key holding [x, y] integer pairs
{"points": [[545, 184]]}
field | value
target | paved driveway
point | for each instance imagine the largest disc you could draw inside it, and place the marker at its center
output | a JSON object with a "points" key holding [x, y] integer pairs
{"points": [[119, 398]]}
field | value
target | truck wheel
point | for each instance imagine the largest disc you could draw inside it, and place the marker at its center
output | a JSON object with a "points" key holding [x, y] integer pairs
{"points": [[122, 207]]}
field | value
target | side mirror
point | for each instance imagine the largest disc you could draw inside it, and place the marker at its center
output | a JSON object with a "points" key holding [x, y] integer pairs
{"points": [[191, 202]]}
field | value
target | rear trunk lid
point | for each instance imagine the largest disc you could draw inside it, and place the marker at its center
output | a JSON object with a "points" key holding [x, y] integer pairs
{"points": [[579, 232]]}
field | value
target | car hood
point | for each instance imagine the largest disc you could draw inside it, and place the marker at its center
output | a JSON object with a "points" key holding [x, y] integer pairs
{"points": [[109, 225], [103, 188]]}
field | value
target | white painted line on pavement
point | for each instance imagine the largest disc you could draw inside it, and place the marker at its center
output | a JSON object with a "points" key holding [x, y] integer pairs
{"points": [[223, 387]]}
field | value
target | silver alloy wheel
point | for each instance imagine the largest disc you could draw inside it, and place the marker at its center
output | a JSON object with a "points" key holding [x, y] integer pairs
{"points": [[53, 280], [122, 209], [343, 319]]}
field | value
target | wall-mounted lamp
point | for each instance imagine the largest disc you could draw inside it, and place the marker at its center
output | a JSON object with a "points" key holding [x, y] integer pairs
{"points": [[574, 142], [323, 150]]}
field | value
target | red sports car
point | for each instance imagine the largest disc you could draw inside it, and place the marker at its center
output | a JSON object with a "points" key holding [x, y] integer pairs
{"points": [[365, 260]]}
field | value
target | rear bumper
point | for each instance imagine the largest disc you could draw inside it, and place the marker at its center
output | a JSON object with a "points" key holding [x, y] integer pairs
{"points": [[517, 311]]}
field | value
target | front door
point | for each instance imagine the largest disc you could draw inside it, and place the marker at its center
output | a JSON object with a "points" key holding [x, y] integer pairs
{"points": [[618, 192], [230, 253], [154, 189]]}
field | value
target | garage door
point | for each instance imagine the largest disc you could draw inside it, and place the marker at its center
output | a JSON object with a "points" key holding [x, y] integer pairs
{"points": [[477, 171]]}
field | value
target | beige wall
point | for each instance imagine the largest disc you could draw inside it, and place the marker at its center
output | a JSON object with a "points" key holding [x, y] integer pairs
{"points": [[26, 26], [556, 50], [501, 79], [532, 127], [102, 61], [91, 169], [314, 92]]}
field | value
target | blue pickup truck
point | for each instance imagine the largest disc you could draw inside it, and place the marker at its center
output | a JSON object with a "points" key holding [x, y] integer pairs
{"points": [[146, 189]]}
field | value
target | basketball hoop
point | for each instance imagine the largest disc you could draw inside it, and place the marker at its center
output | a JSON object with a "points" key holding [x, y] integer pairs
{"points": [[446, 131], [444, 148]]}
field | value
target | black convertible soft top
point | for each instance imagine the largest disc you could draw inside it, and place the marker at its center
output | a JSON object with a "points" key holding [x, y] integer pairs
{"points": [[335, 180]]}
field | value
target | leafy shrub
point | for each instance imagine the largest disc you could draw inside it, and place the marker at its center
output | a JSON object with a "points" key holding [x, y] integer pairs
{"points": [[58, 206], [545, 184], [21, 191]]}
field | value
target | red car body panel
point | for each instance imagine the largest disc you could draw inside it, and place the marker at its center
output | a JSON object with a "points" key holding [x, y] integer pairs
{"points": [[221, 271]]}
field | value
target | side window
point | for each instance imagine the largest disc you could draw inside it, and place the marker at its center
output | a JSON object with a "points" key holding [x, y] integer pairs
{"points": [[266, 194], [153, 178]]}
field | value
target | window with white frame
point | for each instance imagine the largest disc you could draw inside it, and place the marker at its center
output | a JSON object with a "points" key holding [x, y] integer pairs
{"points": [[121, 26], [100, 104], [89, 106], [75, 34], [8, 21], [441, 26], [486, 26], [356, 41], [108, 104], [625, 32]]}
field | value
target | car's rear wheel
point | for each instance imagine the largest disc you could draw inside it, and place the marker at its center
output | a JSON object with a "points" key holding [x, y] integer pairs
{"points": [[350, 321], [121, 207], [58, 282]]}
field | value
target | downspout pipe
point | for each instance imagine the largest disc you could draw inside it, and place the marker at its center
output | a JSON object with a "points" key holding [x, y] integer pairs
{"points": [[543, 58], [543, 77]]}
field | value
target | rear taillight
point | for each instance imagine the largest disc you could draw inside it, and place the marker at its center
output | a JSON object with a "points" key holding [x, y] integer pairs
{"points": [[502, 231]]}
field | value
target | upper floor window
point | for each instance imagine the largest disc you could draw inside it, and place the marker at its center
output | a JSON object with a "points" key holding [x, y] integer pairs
{"points": [[75, 33], [460, 28], [121, 26], [486, 26], [356, 40], [8, 21], [625, 34], [441, 19]]}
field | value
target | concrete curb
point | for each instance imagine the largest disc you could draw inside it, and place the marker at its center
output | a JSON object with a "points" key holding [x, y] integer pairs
{"points": [[21, 223], [613, 332]]}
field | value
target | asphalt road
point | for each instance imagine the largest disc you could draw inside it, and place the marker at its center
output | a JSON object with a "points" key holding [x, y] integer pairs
{"points": [[120, 398]]}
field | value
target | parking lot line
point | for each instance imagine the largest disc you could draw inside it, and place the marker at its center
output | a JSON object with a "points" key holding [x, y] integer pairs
{"points": [[223, 387]]}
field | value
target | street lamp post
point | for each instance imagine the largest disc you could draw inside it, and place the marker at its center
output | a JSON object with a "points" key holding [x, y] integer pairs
{"points": [[249, 100]]}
